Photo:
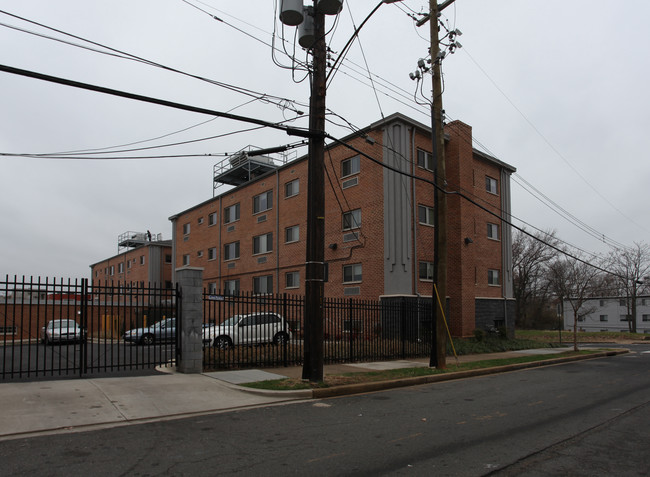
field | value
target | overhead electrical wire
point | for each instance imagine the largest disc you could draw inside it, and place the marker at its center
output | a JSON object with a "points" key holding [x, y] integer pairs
{"points": [[283, 102]]}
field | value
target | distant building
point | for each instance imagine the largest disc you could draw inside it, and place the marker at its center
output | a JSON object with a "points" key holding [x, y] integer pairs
{"points": [[379, 224], [142, 258], [609, 314]]}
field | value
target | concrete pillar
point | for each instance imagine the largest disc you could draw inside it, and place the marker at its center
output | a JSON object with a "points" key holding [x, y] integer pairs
{"points": [[190, 280]]}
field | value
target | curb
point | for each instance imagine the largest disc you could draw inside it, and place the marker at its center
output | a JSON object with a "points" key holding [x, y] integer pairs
{"points": [[348, 389]]}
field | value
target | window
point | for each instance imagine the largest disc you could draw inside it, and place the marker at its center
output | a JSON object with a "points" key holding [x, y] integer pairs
{"points": [[426, 270], [293, 279], [490, 185], [292, 188], [212, 253], [425, 215], [352, 219], [352, 273], [263, 284], [263, 243], [231, 214], [141, 259], [493, 231], [425, 160], [263, 202], [625, 318], [186, 229], [212, 288], [350, 166], [231, 287], [602, 303], [200, 221], [292, 234], [128, 265], [645, 318], [622, 302], [212, 219], [231, 251], [603, 317], [186, 259], [120, 268], [168, 258], [493, 277], [112, 270], [199, 253]]}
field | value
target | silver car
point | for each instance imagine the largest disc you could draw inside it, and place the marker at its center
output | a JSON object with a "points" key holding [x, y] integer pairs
{"points": [[254, 328], [58, 331], [164, 330]]}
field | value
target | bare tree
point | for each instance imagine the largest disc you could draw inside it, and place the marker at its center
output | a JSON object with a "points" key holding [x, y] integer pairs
{"points": [[531, 256], [632, 267], [575, 281]]}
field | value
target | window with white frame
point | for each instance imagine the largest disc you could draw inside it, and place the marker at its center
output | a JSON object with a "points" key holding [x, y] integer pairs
{"points": [[350, 166], [292, 188], [231, 287], [293, 279], [186, 259], [231, 213], [425, 215], [141, 259], [212, 253], [262, 202], [263, 243], [490, 185], [231, 251], [186, 229], [352, 219], [493, 231], [212, 288], [120, 267], [200, 220], [212, 219], [645, 318], [292, 234], [625, 317], [603, 318], [425, 271], [263, 284], [112, 270], [425, 160], [493, 277], [352, 273]]}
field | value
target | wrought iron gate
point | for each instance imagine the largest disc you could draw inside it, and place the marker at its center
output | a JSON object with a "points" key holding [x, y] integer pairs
{"points": [[56, 328]]}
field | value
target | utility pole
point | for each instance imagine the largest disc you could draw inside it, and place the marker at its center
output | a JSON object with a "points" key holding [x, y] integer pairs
{"points": [[438, 357], [315, 261]]}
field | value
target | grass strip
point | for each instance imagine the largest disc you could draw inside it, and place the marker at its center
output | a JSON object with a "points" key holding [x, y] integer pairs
{"points": [[291, 384]]}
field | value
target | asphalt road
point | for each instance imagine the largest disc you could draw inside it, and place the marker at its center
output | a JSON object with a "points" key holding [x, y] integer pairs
{"points": [[586, 418]]}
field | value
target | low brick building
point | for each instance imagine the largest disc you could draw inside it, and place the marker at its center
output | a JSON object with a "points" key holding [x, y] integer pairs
{"points": [[142, 258], [379, 232]]}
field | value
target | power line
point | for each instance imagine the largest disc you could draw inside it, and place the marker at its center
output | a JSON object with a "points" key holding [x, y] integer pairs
{"points": [[147, 99], [279, 101]]}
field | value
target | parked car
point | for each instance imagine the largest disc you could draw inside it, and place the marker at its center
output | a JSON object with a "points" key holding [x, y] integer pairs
{"points": [[60, 331], [164, 330], [254, 328]]}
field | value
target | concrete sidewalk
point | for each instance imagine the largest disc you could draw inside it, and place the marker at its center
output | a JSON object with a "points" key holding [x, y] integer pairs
{"points": [[31, 408]]}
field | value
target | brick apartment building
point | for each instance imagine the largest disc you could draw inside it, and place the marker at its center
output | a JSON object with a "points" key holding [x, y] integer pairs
{"points": [[142, 258], [379, 231]]}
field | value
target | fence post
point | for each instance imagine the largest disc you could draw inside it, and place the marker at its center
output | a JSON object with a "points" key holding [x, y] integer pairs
{"points": [[190, 280]]}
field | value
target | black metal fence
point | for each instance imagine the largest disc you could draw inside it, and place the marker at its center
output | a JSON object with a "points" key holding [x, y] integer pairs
{"points": [[246, 330], [64, 328]]}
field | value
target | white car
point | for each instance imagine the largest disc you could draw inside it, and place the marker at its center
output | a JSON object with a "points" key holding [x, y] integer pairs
{"points": [[254, 328], [62, 330]]}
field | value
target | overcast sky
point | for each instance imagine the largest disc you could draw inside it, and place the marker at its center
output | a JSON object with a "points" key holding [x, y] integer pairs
{"points": [[557, 89]]}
